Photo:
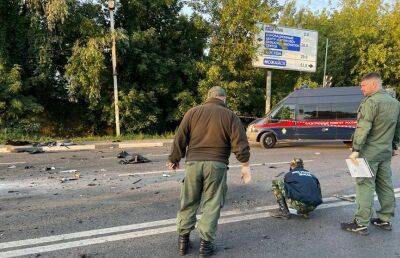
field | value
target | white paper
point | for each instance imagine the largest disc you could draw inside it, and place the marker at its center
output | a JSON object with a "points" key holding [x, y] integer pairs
{"points": [[362, 170]]}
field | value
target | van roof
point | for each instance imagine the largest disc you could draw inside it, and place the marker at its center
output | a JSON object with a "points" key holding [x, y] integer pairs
{"points": [[325, 95]]}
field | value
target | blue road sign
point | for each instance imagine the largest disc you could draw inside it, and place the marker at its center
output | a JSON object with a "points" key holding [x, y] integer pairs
{"points": [[280, 41], [274, 62]]}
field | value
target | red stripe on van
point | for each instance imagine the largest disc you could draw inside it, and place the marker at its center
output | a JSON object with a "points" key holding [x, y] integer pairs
{"points": [[314, 123]]}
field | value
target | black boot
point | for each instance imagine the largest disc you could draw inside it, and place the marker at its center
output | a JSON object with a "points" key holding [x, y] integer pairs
{"points": [[183, 244], [283, 211], [206, 248]]}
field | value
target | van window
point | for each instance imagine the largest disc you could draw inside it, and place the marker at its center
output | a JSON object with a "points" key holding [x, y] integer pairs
{"points": [[325, 112], [307, 112], [346, 110], [316, 111], [285, 112]]}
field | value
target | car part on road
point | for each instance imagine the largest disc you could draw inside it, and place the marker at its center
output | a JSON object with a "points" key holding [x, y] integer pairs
{"points": [[345, 198], [69, 171], [136, 158], [137, 181], [77, 175]]}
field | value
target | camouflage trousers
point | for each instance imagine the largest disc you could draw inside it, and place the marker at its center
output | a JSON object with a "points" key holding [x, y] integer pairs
{"points": [[278, 188]]}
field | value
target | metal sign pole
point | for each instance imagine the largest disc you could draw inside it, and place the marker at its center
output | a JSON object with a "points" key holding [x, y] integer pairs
{"points": [[326, 57], [268, 76]]}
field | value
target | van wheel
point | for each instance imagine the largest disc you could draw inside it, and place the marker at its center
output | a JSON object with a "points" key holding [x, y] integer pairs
{"points": [[267, 140]]}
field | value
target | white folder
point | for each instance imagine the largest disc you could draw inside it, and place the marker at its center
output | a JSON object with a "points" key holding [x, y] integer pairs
{"points": [[361, 170]]}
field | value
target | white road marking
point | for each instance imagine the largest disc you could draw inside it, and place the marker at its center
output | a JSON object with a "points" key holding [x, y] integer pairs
{"points": [[147, 232], [13, 163], [231, 166]]}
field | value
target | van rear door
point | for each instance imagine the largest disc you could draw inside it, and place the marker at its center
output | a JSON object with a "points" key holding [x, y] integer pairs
{"points": [[314, 121]]}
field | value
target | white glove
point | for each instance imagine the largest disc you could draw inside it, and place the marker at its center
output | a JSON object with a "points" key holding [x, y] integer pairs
{"points": [[353, 156], [246, 175]]}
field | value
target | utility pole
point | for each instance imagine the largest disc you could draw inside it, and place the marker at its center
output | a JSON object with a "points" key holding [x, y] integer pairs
{"points": [[326, 57], [268, 75], [111, 7]]}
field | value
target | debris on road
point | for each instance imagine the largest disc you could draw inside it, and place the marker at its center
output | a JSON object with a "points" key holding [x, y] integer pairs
{"points": [[28, 167], [12, 166], [345, 198], [272, 167], [136, 158], [123, 155], [166, 175], [69, 171], [17, 143], [137, 181], [91, 184], [12, 191], [50, 168], [76, 177], [317, 153], [131, 158]]}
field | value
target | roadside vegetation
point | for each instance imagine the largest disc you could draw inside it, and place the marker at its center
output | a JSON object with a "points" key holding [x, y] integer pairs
{"points": [[56, 76]]}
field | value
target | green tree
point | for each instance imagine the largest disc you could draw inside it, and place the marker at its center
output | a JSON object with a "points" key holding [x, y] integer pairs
{"points": [[231, 50]]}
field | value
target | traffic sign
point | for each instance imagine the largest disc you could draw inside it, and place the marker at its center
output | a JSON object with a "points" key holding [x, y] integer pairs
{"points": [[286, 48]]}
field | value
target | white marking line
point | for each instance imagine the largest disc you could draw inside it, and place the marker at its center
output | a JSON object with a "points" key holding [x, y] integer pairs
{"points": [[98, 232], [232, 166], [147, 232], [13, 163]]}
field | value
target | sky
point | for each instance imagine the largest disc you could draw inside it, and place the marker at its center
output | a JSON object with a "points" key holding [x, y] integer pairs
{"points": [[315, 5]]}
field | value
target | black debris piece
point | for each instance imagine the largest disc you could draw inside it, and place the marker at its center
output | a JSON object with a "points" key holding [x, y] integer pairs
{"points": [[272, 167], [136, 158], [123, 155], [137, 181], [28, 167], [17, 143]]}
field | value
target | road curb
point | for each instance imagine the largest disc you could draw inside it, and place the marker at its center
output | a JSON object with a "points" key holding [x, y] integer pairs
{"points": [[69, 148], [4, 150], [138, 144]]}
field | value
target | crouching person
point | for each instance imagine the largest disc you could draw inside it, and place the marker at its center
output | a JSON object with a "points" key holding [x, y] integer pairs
{"points": [[299, 189]]}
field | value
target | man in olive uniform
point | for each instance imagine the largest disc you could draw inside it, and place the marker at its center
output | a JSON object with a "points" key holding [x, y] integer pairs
{"points": [[378, 130], [299, 189], [206, 136]]}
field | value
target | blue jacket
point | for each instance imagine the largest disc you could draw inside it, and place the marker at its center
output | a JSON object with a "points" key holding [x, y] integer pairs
{"points": [[303, 186]]}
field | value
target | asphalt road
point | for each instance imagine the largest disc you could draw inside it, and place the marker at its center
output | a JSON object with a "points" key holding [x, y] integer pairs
{"points": [[115, 210]]}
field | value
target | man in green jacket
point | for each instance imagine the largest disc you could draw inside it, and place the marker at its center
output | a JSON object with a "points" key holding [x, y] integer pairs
{"points": [[378, 130], [206, 136]]}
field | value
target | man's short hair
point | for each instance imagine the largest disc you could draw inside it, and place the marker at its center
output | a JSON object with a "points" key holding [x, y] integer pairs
{"points": [[373, 76], [216, 91]]}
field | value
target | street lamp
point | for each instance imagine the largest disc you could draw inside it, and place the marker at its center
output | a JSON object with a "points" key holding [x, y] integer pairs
{"points": [[111, 7]]}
